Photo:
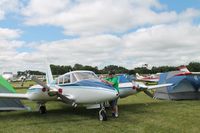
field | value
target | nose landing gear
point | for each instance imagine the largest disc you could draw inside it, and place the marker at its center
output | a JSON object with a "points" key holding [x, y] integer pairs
{"points": [[102, 114]]}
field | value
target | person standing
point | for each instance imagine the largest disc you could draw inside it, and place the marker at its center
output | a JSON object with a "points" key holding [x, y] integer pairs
{"points": [[113, 80]]}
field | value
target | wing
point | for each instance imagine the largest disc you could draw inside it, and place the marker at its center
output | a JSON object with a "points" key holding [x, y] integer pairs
{"points": [[146, 89], [195, 73], [13, 96], [158, 86], [143, 86]]}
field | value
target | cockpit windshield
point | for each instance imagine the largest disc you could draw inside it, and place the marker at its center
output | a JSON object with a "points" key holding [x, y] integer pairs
{"points": [[85, 75], [75, 76]]}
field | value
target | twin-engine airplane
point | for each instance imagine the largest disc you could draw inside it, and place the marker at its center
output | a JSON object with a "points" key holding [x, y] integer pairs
{"points": [[127, 87], [77, 87]]}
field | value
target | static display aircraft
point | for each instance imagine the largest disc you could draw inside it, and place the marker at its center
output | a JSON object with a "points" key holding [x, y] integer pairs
{"points": [[8, 76], [78, 87], [184, 71], [151, 78]]}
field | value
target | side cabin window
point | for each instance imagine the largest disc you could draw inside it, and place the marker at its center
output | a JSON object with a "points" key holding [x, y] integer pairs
{"points": [[60, 80], [63, 79], [73, 78], [66, 79]]}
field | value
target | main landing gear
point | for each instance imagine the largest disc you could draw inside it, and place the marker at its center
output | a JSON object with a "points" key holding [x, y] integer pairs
{"points": [[102, 113], [42, 108]]}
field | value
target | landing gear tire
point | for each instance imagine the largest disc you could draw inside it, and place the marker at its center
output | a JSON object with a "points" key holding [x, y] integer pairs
{"points": [[42, 109], [102, 115]]}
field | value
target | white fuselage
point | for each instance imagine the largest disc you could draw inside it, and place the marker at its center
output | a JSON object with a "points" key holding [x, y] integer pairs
{"points": [[126, 89], [78, 94], [87, 95]]}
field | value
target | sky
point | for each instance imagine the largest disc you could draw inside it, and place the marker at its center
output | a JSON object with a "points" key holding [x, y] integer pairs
{"points": [[127, 33]]}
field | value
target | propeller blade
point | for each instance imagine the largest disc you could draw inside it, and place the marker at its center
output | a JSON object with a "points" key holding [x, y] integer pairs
{"points": [[148, 93], [40, 82], [64, 98]]}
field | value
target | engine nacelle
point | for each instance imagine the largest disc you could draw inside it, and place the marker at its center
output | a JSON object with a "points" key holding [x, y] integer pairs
{"points": [[38, 93]]}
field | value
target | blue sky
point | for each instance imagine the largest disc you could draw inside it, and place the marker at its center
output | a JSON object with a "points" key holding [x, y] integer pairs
{"points": [[180, 5], [51, 33], [88, 31]]}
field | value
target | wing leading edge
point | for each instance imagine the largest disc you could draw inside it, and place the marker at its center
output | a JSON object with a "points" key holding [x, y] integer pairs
{"points": [[13, 96]]}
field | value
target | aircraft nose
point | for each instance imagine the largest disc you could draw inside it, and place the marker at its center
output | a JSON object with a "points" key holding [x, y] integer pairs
{"points": [[115, 94]]}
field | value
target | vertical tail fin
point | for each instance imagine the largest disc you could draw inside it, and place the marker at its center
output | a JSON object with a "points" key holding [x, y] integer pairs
{"points": [[183, 69], [139, 76], [49, 76]]}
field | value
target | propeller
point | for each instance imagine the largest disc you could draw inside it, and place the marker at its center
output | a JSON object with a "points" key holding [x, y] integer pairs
{"points": [[40, 83], [144, 88], [51, 91], [148, 93]]}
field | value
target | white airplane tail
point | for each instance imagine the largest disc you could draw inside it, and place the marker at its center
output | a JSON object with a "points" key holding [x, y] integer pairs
{"points": [[49, 76], [139, 76], [183, 69]]}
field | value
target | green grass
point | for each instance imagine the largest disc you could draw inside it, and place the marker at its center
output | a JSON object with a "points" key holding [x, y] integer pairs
{"points": [[27, 84], [138, 113]]}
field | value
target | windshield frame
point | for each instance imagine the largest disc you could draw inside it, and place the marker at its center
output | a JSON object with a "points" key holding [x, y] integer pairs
{"points": [[81, 77]]}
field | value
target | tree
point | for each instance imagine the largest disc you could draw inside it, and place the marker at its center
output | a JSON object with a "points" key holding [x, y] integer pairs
{"points": [[194, 66], [59, 70], [142, 70], [163, 69], [78, 67], [117, 69]]}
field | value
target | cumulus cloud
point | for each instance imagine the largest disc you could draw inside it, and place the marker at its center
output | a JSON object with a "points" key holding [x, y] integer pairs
{"points": [[88, 17], [148, 34], [7, 6], [8, 48], [6, 33], [174, 44], [164, 44], [157, 45], [95, 50]]}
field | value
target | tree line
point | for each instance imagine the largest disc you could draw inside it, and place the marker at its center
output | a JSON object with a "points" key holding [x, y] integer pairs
{"points": [[61, 69]]}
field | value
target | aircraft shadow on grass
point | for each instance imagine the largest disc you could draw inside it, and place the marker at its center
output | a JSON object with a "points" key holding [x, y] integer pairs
{"points": [[65, 113]]}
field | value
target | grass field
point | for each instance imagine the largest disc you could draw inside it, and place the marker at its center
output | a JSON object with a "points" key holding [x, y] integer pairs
{"points": [[138, 113], [27, 84]]}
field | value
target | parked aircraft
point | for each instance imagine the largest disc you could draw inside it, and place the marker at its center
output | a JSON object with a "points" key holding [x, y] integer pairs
{"points": [[184, 71], [151, 78], [78, 87], [8, 76]]}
